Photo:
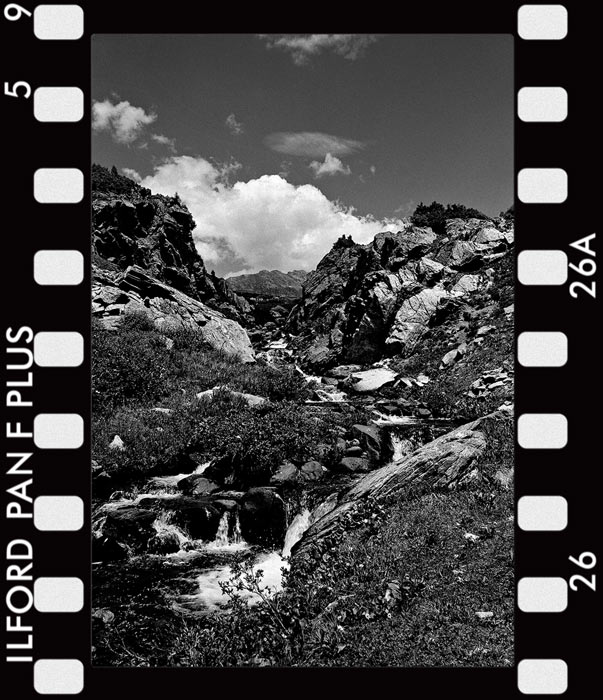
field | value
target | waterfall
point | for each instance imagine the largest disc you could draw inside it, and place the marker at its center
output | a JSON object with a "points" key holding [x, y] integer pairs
{"points": [[221, 538], [300, 523], [163, 524], [237, 537]]}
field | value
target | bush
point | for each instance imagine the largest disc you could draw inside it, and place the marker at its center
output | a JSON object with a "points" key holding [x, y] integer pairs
{"points": [[131, 365], [435, 215]]}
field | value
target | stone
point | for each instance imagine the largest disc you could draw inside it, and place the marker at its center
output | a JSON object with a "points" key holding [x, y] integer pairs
{"points": [[129, 525], [372, 379], [165, 542], [250, 399], [262, 517], [286, 474], [372, 440], [103, 615], [197, 485], [412, 319], [312, 471], [466, 285], [351, 465], [117, 444], [446, 462], [353, 451], [169, 309], [465, 255], [343, 371]]}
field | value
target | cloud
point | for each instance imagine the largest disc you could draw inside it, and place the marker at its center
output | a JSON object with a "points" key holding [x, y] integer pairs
{"points": [[330, 166], [132, 174], [263, 223], [122, 120], [235, 127], [303, 47], [373, 169], [311, 144], [165, 141]]}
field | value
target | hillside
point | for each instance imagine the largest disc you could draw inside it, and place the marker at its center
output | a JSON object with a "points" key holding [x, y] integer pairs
{"points": [[269, 283], [132, 226]]}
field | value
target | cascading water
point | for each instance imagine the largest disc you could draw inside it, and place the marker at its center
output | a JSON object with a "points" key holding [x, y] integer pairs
{"points": [[223, 539], [163, 525], [211, 596]]}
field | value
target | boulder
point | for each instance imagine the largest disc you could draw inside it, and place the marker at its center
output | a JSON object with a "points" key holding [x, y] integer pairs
{"points": [[164, 542], [351, 465], [372, 439], [250, 399], [263, 517], [287, 474], [197, 515], [117, 444], [170, 309], [447, 462], [343, 371], [197, 485], [129, 525], [465, 255], [465, 285], [372, 379], [312, 471]]}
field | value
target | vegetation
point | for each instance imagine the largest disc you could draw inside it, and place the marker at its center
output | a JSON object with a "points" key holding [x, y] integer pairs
{"points": [[435, 215], [400, 582], [136, 370]]}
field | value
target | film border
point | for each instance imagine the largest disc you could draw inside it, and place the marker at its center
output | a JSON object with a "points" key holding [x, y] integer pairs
{"points": [[50, 114]]}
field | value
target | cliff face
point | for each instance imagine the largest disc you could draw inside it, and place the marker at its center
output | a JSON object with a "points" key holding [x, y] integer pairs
{"points": [[132, 226], [269, 283], [364, 302], [145, 261]]}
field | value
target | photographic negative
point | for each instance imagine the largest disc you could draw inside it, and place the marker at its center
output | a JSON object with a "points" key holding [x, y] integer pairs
{"points": [[302, 350]]}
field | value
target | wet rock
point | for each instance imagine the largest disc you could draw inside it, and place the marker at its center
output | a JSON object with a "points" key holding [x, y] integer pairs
{"points": [[108, 549], [372, 439], [129, 525], [263, 518], [197, 485], [164, 543]]}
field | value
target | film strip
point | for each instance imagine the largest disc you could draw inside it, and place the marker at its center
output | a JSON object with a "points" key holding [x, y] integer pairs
{"points": [[47, 364]]}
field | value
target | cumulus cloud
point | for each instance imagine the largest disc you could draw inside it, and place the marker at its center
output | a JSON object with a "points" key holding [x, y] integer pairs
{"points": [[263, 223], [330, 166], [311, 144], [303, 47], [234, 126], [373, 169], [123, 121], [165, 141], [132, 174]]}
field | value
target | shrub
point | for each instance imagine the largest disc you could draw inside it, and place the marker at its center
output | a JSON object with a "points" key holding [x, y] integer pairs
{"points": [[435, 215], [131, 365]]}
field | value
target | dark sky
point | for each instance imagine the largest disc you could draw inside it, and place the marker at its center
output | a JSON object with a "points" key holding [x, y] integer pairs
{"points": [[409, 118]]}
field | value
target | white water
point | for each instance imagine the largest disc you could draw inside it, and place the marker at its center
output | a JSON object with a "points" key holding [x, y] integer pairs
{"points": [[163, 524], [211, 596], [223, 540], [170, 482]]}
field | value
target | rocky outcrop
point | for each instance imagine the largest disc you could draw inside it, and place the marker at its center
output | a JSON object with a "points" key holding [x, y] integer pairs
{"points": [[115, 294], [366, 301], [269, 283], [132, 227], [445, 463]]}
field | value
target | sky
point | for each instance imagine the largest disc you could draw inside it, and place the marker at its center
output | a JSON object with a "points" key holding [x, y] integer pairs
{"points": [[279, 144]]}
